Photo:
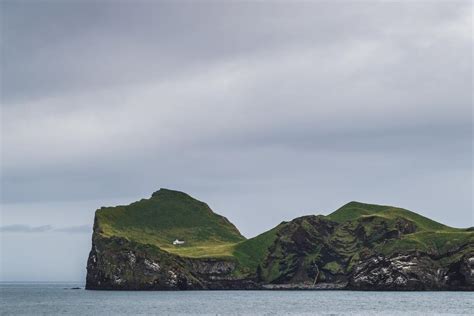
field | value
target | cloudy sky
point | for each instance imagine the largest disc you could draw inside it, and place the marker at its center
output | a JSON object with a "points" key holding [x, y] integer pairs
{"points": [[265, 110]]}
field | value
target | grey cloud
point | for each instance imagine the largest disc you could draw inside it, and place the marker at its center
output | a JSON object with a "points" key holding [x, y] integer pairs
{"points": [[18, 228], [105, 44], [21, 228], [256, 108]]}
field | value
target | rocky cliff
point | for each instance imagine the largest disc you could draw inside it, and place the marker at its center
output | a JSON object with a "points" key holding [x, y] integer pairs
{"points": [[359, 246]]}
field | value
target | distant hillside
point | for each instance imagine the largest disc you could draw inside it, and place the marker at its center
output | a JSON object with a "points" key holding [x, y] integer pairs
{"points": [[358, 246]]}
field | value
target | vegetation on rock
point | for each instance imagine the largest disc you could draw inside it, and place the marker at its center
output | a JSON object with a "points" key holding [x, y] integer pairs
{"points": [[360, 245]]}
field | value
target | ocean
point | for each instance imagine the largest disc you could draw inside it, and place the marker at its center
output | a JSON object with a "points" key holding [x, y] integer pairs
{"points": [[60, 299]]}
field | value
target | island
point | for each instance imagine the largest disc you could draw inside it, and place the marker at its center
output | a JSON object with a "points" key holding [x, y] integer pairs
{"points": [[172, 241]]}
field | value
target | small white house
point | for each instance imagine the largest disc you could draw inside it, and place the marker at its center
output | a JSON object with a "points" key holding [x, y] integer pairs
{"points": [[178, 242]]}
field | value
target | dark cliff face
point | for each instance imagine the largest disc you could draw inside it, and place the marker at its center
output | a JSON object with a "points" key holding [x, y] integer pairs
{"points": [[132, 246], [117, 264], [413, 272], [370, 252], [315, 250]]}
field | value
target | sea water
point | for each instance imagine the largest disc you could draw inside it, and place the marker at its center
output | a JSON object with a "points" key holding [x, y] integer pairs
{"points": [[60, 299]]}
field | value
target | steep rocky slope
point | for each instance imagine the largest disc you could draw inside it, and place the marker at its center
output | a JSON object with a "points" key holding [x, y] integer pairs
{"points": [[359, 246]]}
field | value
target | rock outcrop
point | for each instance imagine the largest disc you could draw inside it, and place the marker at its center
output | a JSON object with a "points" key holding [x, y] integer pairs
{"points": [[358, 247], [411, 272], [117, 264]]}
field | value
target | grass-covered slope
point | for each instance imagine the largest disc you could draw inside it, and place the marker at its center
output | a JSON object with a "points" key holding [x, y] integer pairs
{"points": [[427, 235], [364, 246], [356, 210], [170, 215], [252, 252], [290, 251], [335, 243]]}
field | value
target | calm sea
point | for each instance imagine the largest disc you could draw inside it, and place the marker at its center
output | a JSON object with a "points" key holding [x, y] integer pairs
{"points": [[59, 299]]}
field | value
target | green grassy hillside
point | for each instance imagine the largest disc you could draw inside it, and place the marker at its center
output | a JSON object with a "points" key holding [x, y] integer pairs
{"points": [[356, 210], [352, 231], [335, 242], [170, 215], [251, 252], [429, 236]]}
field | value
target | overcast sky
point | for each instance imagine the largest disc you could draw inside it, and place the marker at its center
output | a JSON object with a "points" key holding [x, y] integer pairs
{"points": [[266, 111]]}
